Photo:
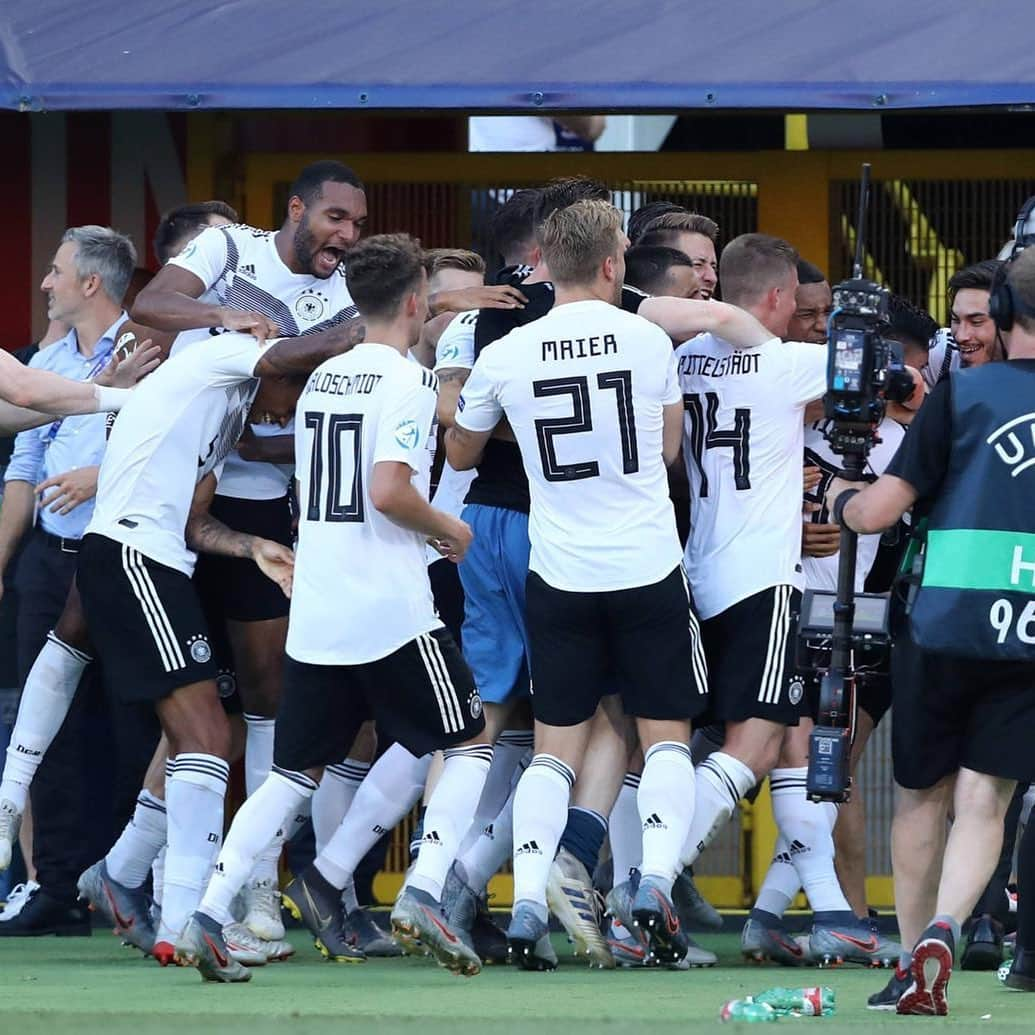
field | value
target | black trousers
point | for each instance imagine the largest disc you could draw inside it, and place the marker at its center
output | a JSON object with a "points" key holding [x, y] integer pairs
{"points": [[84, 791]]}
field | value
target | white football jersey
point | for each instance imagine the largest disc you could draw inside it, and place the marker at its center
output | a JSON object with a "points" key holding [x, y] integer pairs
{"points": [[742, 444], [455, 349], [177, 426], [821, 572], [361, 587], [583, 388], [241, 268]]}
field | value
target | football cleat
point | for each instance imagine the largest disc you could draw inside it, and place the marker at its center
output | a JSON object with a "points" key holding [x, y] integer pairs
{"points": [[128, 910], [417, 917], [765, 937], [930, 971], [856, 941], [10, 824], [360, 928], [262, 910], [252, 951], [529, 939], [571, 898], [656, 917], [202, 945], [315, 903], [693, 908], [887, 998], [17, 898]]}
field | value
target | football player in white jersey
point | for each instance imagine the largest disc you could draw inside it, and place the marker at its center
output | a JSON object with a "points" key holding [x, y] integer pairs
{"points": [[135, 568], [743, 451], [363, 635], [805, 849], [290, 281], [591, 395]]}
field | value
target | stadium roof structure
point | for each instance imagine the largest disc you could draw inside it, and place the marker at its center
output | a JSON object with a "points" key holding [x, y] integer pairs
{"points": [[515, 55]]}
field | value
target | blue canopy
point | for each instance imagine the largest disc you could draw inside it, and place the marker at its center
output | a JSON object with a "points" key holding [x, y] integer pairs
{"points": [[502, 55]]}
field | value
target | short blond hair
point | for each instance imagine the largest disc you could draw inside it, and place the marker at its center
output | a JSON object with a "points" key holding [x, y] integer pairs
{"points": [[664, 228], [1021, 277], [438, 259], [576, 239]]}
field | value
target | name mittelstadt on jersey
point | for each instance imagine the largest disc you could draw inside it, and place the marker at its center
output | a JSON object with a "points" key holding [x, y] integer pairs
{"points": [[342, 384], [712, 366], [581, 348]]}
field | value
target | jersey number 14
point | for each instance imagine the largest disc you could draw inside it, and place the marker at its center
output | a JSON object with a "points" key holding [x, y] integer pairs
{"points": [[333, 454], [703, 409]]}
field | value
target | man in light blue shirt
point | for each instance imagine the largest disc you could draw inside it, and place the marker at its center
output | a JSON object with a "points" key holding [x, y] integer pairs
{"points": [[48, 501]]}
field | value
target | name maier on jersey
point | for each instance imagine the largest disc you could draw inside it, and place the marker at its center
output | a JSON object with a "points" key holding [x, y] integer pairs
{"points": [[743, 445]]}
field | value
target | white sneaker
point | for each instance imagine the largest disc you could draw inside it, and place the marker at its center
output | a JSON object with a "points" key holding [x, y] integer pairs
{"points": [[18, 899], [262, 915], [10, 821]]}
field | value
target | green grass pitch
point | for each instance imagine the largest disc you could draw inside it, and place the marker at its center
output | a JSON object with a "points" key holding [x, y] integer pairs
{"points": [[72, 985]]}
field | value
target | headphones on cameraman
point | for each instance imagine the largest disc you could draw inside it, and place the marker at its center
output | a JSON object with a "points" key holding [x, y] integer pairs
{"points": [[1003, 304]]}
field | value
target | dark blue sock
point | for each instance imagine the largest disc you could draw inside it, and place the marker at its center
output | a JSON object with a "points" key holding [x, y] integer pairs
{"points": [[584, 836], [418, 835]]}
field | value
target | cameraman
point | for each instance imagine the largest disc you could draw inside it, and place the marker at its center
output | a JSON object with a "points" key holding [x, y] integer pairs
{"points": [[962, 731]]}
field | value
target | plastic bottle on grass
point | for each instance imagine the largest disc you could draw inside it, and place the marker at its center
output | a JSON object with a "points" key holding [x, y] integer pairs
{"points": [[747, 1011], [805, 1002]]}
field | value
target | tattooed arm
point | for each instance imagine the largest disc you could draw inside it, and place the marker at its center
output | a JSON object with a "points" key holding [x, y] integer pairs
{"points": [[206, 534], [450, 381], [293, 357]]}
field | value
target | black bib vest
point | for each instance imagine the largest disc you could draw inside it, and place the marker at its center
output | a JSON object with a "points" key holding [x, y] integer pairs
{"points": [[977, 592]]}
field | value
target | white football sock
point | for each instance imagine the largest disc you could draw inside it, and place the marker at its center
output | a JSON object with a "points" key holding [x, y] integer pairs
{"points": [[138, 846], [540, 815], [258, 821], [666, 804], [625, 831], [258, 751], [194, 793], [511, 747], [483, 859], [721, 781], [158, 877], [49, 688], [391, 788], [334, 797], [806, 827], [448, 815], [781, 882]]}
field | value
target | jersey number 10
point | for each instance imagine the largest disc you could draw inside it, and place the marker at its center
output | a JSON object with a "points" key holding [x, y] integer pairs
{"points": [[338, 456], [548, 428]]}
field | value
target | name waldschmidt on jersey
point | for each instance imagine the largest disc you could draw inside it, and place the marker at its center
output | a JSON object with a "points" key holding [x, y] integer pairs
{"points": [[741, 362], [342, 384], [580, 348]]}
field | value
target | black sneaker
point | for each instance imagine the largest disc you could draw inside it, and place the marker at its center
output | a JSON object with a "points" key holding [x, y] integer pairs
{"points": [[984, 948], [44, 914], [1022, 971], [887, 998], [931, 969], [314, 901]]}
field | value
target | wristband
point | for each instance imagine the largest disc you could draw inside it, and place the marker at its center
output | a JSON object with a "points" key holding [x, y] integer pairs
{"points": [[838, 510], [110, 399]]}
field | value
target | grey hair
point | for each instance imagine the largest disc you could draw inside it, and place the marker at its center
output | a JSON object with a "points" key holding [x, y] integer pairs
{"points": [[105, 252]]}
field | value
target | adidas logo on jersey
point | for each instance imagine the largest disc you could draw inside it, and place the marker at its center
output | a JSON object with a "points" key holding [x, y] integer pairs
{"points": [[247, 270], [529, 848], [653, 822]]}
